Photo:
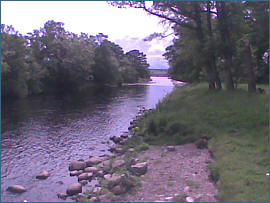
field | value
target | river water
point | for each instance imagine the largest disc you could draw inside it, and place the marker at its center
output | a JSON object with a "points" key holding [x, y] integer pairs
{"points": [[47, 132]]}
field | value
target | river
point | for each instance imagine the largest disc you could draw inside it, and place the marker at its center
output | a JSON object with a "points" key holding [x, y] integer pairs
{"points": [[47, 132]]}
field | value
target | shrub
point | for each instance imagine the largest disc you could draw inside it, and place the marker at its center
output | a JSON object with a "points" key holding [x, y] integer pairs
{"points": [[143, 147], [152, 128], [214, 172], [201, 144]]}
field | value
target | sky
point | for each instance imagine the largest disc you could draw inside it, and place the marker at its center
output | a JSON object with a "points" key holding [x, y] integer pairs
{"points": [[126, 27]]}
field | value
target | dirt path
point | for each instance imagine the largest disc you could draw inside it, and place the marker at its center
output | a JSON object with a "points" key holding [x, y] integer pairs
{"points": [[179, 175]]}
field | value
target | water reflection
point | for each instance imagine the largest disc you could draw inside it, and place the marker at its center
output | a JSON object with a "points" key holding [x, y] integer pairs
{"points": [[47, 132]]}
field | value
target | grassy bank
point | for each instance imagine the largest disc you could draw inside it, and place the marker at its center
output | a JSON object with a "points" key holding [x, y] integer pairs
{"points": [[232, 124]]}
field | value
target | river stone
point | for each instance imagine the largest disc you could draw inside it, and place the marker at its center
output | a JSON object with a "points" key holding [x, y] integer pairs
{"points": [[91, 169], [74, 173], [189, 199], [139, 169], [118, 163], [131, 150], [186, 189], [113, 179], [77, 165], [132, 161], [62, 195], [171, 148], [119, 150], [122, 142], [125, 135], [100, 173], [74, 189], [85, 176], [94, 199], [105, 165], [93, 161], [80, 172], [16, 189], [118, 190], [116, 139], [43, 175]]}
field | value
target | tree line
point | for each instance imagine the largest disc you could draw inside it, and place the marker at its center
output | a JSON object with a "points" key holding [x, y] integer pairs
{"points": [[53, 60], [215, 41]]}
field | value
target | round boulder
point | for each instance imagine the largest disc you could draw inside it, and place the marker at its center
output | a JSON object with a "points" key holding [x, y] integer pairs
{"points": [[139, 169], [125, 135], [171, 148], [93, 161], [91, 169], [118, 163], [16, 189], [74, 189], [119, 150], [74, 173], [116, 139], [113, 179], [43, 175], [85, 176], [105, 165], [131, 150], [77, 165]]}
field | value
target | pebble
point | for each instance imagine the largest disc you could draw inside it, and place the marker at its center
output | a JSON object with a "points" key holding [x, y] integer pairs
{"points": [[189, 199], [16, 189], [186, 189], [168, 198], [43, 175]]}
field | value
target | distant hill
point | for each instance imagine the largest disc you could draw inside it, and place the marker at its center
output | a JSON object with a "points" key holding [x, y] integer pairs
{"points": [[159, 72]]}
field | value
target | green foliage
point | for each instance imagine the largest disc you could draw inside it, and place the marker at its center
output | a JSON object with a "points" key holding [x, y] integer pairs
{"points": [[201, 144], [206, 46], [52, 59], [214, 172]]}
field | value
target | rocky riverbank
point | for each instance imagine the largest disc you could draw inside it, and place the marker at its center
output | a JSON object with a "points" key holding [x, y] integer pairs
{"points": [[136, 171]]}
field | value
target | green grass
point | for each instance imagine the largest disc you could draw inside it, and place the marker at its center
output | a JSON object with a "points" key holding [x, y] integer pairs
{"points": [[236, 122]]}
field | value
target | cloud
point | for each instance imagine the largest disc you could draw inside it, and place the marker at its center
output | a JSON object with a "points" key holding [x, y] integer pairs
{"points": [[153, 49]]}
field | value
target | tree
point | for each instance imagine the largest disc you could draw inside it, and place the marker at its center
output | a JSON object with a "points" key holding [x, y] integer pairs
{"points": [[139, 62], [106, 68], [13, 62], [213, 34]]}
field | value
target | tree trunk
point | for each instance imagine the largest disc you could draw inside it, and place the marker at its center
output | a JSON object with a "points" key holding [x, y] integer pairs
{"points": [[212, 55], [216, 73], [251, 74], [201, 38], [223, 27], [228, 74]]}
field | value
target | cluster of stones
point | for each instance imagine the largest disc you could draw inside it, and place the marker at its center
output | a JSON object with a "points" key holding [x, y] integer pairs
{"points": [[104, 168], [20, 189], [87, 170]]}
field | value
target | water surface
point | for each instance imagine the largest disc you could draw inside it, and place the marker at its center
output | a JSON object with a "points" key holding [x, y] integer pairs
{"points": [[47, 132]]}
